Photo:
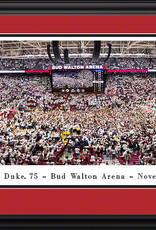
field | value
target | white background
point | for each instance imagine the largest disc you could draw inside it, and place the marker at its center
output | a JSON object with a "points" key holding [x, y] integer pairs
{"points": [[46, 170]]}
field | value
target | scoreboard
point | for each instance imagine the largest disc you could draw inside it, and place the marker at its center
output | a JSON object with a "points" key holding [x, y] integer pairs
{"points": [[99, 77], [78, 81]]}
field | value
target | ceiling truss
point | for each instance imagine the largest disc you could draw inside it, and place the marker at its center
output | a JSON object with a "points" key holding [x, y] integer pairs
{"points": [[35, 48]]}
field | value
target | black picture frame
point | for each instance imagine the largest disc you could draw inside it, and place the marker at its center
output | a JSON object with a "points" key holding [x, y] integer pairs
{"points": [[77, 222], [78, 7], [60, 7]]}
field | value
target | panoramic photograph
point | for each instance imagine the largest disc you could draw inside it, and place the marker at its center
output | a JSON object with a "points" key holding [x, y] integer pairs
{"points": [[71, 102]]}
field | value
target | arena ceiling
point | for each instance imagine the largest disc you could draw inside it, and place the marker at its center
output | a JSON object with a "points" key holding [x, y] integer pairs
{"points": [[38, 49]]}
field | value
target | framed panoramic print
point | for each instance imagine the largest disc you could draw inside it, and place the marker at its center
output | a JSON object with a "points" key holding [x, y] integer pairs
{"points": [[77, 114]]}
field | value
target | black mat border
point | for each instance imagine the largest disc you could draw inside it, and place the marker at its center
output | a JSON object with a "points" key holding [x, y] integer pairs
{"points": [[75, 7], [77, 186], [78, 35]]}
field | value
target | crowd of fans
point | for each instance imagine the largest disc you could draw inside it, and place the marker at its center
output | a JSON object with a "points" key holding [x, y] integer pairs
{"points": [[73, 79], [38, 127], [113, 63]]}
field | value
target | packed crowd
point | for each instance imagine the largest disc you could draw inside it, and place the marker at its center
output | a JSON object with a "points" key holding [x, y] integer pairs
{"points": [[73, 79], [113, 63], [38, 127]]}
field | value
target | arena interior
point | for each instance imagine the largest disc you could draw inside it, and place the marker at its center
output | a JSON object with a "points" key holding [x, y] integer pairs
{"points": [[77, 102]]}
